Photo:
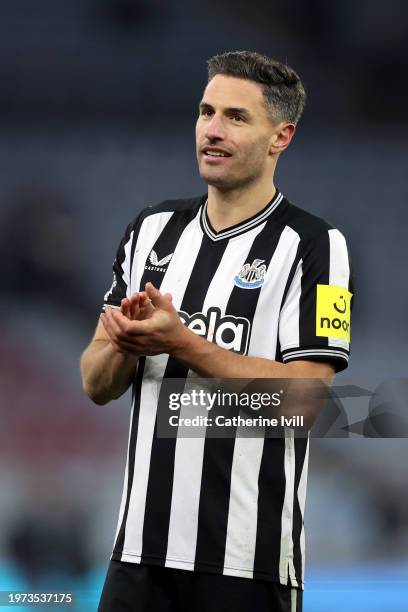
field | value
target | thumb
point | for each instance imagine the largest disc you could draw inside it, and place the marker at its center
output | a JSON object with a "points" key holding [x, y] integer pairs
{"points": [[158, 299]]}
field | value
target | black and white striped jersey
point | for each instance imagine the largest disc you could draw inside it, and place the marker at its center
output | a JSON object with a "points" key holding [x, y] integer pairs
{"points": [[276, 285]]}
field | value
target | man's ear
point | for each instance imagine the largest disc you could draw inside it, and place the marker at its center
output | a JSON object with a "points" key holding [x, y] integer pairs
{"points": [[281, 138]]}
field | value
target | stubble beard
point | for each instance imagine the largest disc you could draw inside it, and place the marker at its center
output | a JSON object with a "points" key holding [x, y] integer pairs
{"points": [[240, 178]]}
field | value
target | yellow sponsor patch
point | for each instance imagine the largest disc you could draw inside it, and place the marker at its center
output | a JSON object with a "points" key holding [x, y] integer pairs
{"points": [[333, 312]]}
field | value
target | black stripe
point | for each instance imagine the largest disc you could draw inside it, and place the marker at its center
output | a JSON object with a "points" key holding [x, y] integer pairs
{"points": [[160, 485], [316, 270], [190, 206], [118, 291], [290, 278], [214, 502], [165, 245], [300, 452], [271, 483]]}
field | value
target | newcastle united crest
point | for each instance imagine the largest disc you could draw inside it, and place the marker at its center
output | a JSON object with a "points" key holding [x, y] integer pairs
{"points": [[251, 276]]}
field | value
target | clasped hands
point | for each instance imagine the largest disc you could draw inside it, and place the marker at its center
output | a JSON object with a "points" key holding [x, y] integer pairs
{"points": [[146, 324]]}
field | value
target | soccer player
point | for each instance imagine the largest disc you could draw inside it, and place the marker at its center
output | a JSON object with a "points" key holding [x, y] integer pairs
{"points": [[237, 283]]}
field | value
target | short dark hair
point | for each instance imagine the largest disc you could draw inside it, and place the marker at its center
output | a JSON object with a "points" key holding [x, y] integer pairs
{"points": [[283, 90]]}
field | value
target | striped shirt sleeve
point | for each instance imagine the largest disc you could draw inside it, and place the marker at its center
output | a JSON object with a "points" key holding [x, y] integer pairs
{"points": [[120, 287], [314, 321]]}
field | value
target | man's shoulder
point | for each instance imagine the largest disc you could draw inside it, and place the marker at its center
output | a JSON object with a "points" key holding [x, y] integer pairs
{"points": [[306, 224]]}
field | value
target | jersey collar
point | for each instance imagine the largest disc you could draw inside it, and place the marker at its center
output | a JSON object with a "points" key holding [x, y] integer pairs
{"points": [[243, 226]]}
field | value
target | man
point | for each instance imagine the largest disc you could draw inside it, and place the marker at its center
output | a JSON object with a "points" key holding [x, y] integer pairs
{"points": [[238, 283]]}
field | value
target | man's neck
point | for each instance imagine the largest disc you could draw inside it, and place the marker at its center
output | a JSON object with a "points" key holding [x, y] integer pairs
{"points": [[227, 208]]}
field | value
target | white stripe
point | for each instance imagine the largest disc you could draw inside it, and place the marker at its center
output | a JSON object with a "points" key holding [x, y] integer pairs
{"points": [[315, 353], [126, 263], [147, 418], [293, 605], [339, 263], [183, 526], [286, 546], [238, 572], [314, 350], [125, 481], [302, 502], [339, 273], [264, 338], [189, 243], [188, 464], [243, 506]]}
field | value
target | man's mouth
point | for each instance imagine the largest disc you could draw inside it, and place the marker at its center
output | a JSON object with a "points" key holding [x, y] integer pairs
{"points": [[215, 152]]}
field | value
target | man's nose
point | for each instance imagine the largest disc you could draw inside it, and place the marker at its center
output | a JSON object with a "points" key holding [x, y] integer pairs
{"points": [[214, 128]]}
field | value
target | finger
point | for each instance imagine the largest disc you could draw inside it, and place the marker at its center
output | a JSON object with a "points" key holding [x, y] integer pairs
{"points": [[139, 328], [125, 307], [168, 296], [119, 341], [134, 305], [146, 308], [126, 328], [120, 337], [119, 324], [158, 300], [108, 328], [110, 323], [145, 301], [119, 320]]}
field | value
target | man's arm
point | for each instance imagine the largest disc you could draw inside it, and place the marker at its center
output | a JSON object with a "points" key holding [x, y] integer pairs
{"points": [[212, 361], [163, 332], [303, 397], [107, 368], [106, 372]]}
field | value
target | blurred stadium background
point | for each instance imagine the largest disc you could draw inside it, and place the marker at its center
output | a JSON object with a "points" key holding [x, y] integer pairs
{"points": [[97, 111]]}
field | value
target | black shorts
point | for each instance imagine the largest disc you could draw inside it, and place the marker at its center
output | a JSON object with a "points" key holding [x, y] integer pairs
{"points": [[130, 587]]}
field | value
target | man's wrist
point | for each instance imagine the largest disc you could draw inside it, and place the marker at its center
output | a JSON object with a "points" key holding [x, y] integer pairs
{"points": [[123, 356], [184, 341]]}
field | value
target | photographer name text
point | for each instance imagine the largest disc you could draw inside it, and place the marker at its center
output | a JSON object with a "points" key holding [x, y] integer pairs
{"points": [[222, 421]]}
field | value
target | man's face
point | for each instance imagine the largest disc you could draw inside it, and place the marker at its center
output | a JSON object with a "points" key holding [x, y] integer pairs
{"points": [[233, 133]]}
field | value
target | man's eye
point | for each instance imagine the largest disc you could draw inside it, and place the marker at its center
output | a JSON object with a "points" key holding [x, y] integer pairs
{"points": [[237, 118], [206, 112]]}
